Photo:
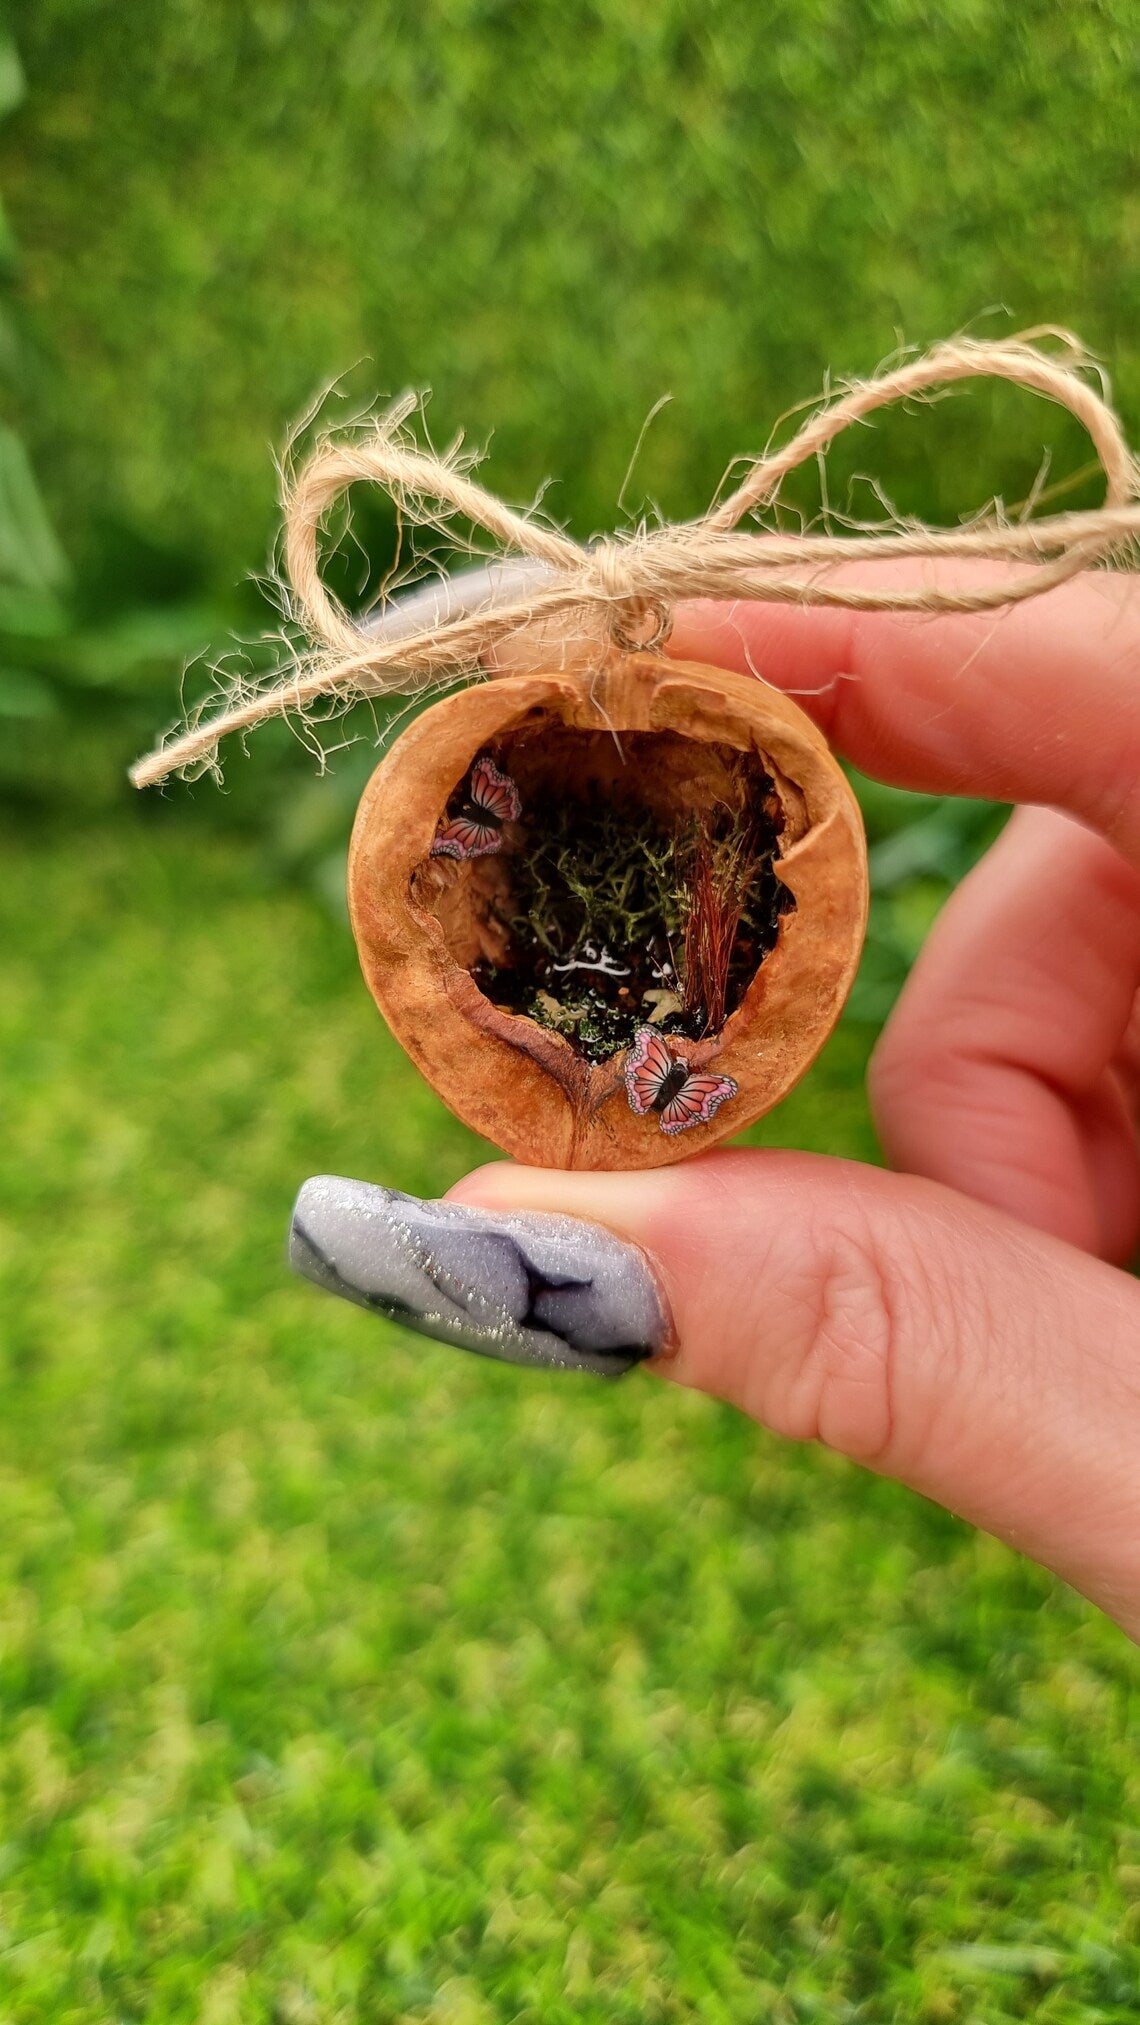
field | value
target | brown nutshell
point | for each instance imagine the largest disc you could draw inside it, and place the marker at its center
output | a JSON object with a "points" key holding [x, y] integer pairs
{"points": [[665, 737]]}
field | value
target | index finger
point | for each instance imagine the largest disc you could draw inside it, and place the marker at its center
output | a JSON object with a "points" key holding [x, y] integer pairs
{"points": [[1038, 702]]}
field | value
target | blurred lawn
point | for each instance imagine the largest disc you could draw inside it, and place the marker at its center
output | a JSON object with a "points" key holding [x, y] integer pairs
{"points": [[345, 1677], [342, 1677]]}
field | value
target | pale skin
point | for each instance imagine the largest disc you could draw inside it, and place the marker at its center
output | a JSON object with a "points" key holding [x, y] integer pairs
{"points": [[965, 1322]]}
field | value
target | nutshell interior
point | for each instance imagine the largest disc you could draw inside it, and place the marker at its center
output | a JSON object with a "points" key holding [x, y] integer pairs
{"points": [[637, 885]]}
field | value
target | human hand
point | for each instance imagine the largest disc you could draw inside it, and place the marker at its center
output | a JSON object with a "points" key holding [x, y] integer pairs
{"points": [[962, 1324]]}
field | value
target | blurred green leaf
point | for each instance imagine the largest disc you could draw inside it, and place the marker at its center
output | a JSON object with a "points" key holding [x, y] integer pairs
{"points": [[13, 84], [920, 849], [886, 809], [30, 555], [1041, 1965], [941, 842], [7, 246]]}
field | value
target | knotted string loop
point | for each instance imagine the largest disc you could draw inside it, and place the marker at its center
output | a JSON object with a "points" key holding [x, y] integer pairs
{"points": [[635, 581]]}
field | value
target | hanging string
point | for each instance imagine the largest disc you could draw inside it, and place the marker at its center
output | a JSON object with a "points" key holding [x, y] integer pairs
{"points": [[634, 580]]}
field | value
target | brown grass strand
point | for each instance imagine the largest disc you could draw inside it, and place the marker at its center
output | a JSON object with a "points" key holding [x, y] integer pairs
{"points": [[719, 880]]}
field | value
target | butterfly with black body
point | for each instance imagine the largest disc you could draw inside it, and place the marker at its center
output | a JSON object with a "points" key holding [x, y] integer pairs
{"points": [[490, 799], [658, 1080]]}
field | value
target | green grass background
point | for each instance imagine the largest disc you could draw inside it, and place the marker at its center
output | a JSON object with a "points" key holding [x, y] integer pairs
{"points": [[342, 1677]]}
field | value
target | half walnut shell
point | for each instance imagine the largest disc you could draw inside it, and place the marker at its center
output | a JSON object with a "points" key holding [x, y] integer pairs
{"points": [[667, 737]]}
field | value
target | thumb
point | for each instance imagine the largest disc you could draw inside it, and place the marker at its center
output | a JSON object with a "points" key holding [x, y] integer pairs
{"points": [[991, 1367]]}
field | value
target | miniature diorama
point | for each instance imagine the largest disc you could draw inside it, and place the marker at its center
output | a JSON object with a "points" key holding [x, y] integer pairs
{"points": [[610, 923]]}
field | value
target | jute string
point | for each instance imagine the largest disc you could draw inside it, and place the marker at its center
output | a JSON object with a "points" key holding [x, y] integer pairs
{"points": [[633, 581]]}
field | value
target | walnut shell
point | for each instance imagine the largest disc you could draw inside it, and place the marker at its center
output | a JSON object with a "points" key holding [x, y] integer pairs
{"points": [[421, 922]]}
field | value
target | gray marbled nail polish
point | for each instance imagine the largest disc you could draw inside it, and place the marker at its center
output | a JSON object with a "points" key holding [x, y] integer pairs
{"points": [[527, 1287]]}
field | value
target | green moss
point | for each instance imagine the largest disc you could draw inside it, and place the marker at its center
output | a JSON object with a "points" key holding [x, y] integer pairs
{"points": [[593, 869]]}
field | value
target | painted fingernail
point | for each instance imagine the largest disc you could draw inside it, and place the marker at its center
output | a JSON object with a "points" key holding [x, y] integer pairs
{"points": [[529, 1288]]}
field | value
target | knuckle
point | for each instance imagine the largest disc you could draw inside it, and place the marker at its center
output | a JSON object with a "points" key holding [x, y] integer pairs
{"points": [[918, 1072], [913, 1047], [860, 1313], [893, 1074]]}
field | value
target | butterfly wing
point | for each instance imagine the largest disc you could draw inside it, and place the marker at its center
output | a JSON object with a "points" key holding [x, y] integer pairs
{"points": [[461, 838], [646, 1067], [695, 1102], [494, 793]]}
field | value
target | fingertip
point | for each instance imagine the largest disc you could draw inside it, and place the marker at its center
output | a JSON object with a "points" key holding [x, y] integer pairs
{"points": [[621, 1200], [486, 1187]]}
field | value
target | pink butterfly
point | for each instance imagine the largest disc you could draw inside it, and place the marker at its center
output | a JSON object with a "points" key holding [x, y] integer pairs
{"points": [[658, 1080], [490, 799]]}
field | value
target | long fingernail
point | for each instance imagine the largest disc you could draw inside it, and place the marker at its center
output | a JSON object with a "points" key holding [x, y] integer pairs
{"points": [[529, 1288]]}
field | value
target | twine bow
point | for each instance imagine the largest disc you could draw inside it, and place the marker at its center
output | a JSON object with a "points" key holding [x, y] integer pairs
{"points": [[635, 580]]}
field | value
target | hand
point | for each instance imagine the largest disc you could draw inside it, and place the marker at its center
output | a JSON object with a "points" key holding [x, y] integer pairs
{"points": [[961, 1324]]}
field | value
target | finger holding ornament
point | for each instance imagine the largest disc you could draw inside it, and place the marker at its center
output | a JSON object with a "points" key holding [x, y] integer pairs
{"points": [[1037, 703], [1001, 1069]]}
